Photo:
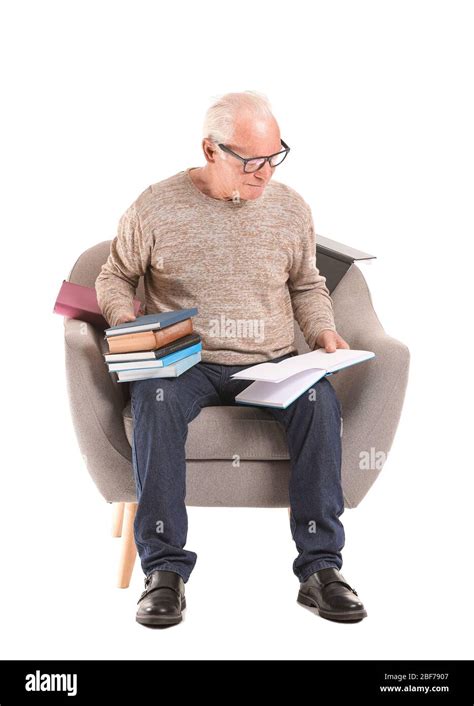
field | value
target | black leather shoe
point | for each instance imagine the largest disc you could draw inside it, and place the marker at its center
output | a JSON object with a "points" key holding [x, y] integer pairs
{"points": [[162, 600], [328, 592]]}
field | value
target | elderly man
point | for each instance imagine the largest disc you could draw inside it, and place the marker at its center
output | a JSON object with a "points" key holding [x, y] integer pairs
{"points": [[240, 247]]}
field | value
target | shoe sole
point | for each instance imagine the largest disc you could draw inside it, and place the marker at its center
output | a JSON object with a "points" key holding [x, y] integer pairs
{"points": [[156, 620], [346, 616]]}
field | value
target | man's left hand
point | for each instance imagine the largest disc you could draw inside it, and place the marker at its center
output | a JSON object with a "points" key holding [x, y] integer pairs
{"points": [[330, 341]]}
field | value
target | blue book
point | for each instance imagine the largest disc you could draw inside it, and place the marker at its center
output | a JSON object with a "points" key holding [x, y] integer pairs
{"points": [[168, 371], [155, 363], [151, 322]]}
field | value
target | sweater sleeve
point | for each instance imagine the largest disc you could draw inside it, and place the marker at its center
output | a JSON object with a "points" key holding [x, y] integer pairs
{"points": [[311, 301], [129, 258]]}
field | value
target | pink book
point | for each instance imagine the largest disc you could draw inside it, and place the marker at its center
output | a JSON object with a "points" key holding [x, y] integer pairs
{"points": [[79, 302]]}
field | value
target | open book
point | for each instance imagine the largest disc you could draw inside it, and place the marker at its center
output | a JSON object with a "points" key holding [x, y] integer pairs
{"points": [[280, 384]]}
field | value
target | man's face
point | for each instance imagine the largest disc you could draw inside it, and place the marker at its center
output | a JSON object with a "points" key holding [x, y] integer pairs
{"points": [[251, 138]]}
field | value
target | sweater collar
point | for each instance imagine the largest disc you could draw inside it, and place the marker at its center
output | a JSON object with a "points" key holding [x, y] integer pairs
{"points": [[217, 203]]}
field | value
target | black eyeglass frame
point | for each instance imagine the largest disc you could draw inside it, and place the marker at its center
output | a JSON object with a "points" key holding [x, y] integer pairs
{"points": [[251, 159]]}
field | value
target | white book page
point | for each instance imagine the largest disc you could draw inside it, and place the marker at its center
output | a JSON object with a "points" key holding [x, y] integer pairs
{"points": [[281, 395], [342, 358], [317, 360]]}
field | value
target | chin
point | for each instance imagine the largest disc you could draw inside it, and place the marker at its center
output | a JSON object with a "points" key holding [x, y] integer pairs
{"points": [[251, 193]]}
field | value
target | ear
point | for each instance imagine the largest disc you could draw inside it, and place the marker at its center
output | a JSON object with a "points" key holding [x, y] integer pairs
{"points": [[209, 149]]}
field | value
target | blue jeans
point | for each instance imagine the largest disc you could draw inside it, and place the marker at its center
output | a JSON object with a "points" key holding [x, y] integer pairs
{"points": [[162, 409]]}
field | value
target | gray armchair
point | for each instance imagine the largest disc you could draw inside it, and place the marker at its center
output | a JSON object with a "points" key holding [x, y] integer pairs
{"points": [[371, 397]]}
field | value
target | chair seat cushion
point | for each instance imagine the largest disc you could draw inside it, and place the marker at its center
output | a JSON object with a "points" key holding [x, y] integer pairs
{"points": [[224, 432]]}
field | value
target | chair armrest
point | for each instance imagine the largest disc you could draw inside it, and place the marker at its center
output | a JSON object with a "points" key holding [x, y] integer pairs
{"points": [[96, 404], [372, 393]]}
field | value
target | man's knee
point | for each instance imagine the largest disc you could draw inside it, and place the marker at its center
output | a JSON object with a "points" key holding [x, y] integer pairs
{"points": [[321, 398], [157, 393]]}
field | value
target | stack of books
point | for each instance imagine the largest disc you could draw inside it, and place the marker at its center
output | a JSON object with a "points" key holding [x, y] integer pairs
{"points": [[153, 346]]}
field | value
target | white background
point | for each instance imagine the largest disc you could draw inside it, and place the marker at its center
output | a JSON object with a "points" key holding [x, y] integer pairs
{"points": [[101, 99]]}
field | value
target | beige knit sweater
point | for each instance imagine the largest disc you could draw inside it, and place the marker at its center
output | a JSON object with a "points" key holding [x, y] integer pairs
{"points": [[248, 266]]}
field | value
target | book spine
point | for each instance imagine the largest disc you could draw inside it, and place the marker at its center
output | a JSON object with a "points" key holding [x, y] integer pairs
{"points": [[149, 340]]}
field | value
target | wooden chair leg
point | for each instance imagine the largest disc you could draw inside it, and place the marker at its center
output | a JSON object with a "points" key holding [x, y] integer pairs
{"points": [[128, 551], [117, 519]]}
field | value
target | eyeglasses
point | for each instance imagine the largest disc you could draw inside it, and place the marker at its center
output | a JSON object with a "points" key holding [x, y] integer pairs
{"points": [[253, 164]]}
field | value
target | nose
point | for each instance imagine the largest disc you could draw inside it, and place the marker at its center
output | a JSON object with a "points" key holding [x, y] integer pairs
{"points": [[264, 173]]}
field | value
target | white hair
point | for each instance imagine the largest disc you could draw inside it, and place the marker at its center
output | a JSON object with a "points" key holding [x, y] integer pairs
{"points": [[221, 117]]}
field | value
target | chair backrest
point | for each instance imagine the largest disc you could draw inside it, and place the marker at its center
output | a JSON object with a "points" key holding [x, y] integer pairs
{"points": [[333, 259], [86, 270], [88, 265]]}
